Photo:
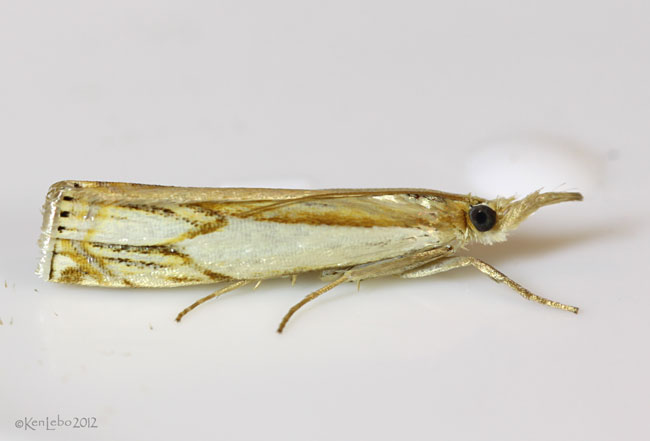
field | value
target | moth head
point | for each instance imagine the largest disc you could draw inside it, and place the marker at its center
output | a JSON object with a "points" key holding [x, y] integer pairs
{"points": [[491, 221]]}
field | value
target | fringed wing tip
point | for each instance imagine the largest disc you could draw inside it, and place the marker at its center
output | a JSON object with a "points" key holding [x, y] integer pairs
{"points": [[46, 240]]}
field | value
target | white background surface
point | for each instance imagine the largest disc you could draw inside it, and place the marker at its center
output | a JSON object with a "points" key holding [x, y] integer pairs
{"points": [[488, 97]]}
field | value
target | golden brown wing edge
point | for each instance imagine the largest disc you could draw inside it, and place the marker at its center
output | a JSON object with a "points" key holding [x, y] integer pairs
{"points": [[128, 192]]}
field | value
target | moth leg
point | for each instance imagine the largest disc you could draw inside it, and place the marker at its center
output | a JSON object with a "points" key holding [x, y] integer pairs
{"points": [[450, 263], [308, 299], [386, 267], [217, 293]]}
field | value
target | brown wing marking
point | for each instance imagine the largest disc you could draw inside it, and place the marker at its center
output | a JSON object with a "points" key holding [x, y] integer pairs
{"points": [[90, 263], [360, 209], [84, 261]]}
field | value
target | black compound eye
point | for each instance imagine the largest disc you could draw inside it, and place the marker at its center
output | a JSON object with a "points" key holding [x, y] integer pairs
{"points": [[483, 217]]}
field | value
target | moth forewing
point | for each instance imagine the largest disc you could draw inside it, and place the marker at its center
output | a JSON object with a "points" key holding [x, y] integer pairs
{"points": [[133, 235], [110, 234]]}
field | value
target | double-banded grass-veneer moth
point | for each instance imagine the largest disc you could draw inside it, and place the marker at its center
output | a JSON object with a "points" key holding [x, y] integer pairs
{"points": [[133, 235]]}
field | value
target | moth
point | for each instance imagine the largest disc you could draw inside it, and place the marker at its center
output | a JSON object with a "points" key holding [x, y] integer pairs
{"points": [[132, 235]]}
